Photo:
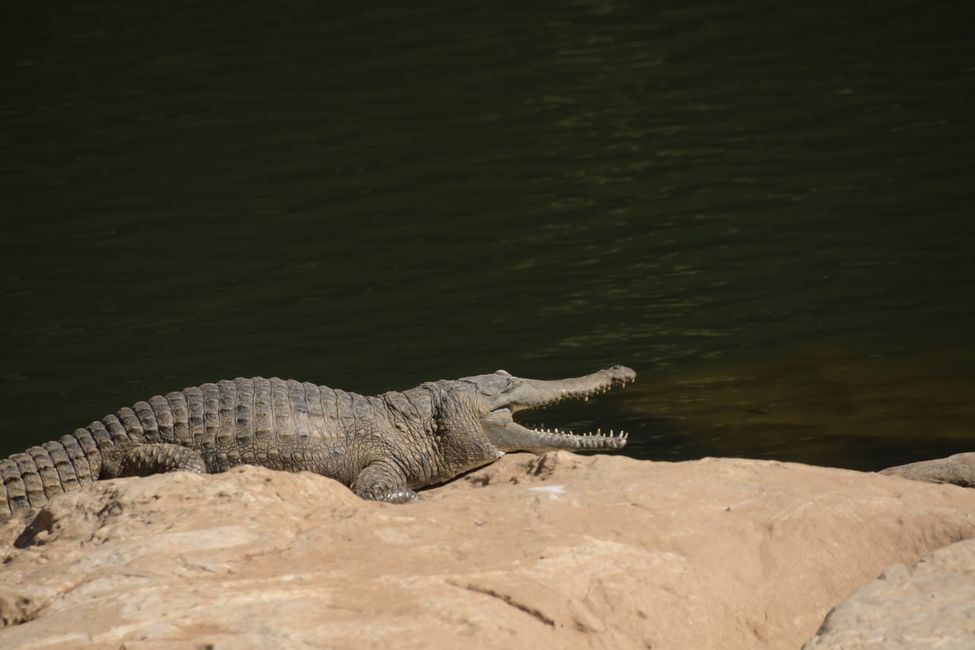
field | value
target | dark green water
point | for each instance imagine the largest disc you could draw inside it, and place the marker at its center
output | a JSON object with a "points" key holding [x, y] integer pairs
{"points": [[763, 207]]}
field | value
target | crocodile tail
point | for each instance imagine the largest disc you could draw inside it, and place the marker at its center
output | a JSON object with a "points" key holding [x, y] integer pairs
{"points": [[32, 477], [29, 479]]}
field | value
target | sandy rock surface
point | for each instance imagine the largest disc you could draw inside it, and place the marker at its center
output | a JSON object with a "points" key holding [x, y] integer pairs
{"points": [[563, 551], [929, 606], [958, 470]]}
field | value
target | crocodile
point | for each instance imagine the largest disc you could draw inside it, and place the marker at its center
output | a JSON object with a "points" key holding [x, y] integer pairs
{"points": [[383, 447]]}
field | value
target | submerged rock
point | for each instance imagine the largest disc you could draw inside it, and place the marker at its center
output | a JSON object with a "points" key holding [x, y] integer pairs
{"points": [[559, 551]]}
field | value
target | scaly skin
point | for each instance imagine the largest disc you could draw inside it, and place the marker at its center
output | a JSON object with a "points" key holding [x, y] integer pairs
{"points": [[383, 447]]}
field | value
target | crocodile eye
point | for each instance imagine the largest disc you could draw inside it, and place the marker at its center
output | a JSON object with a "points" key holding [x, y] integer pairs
{"points": [[502, 372]]}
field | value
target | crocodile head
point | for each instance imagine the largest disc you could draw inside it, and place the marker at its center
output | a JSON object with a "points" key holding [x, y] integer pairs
{"points": [[500, 395]]}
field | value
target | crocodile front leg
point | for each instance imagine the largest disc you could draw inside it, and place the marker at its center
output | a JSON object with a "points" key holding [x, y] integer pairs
{"points": [[150, 458], [383, 481]]}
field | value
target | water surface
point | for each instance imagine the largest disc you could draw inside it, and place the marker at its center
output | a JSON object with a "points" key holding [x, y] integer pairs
{"points": [[763, 208]]}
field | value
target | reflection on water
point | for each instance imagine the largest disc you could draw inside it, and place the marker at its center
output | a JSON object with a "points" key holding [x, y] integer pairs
{"points": [[819, 405], [374, 196]]}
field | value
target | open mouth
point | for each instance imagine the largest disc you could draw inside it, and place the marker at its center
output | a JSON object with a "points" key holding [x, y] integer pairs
{"points": [[509, 435]]}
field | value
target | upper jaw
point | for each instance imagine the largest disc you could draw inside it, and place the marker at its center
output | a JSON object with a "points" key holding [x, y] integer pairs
{"points": [[533, 393]]}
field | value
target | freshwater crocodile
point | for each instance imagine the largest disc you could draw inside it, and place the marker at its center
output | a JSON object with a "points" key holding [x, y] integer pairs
{"points": [[383, 447]]}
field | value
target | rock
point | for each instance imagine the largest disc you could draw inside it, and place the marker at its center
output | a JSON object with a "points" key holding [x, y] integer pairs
{"points": [[958, 470], [928, 606], [562, 551]]}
